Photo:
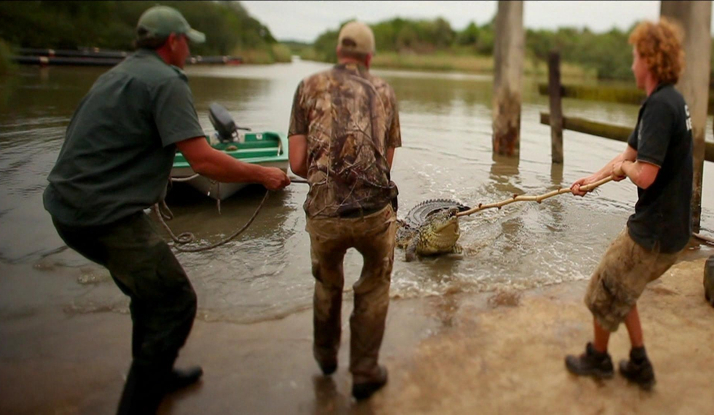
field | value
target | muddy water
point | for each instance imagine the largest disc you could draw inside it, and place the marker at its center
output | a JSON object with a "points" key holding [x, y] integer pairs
{"points": [[265, 274]]}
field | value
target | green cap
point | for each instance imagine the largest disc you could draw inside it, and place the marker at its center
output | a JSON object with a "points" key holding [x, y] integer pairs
{"points": [[161, 21]]}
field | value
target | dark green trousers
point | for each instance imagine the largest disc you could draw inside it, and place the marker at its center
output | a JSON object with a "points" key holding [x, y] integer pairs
{"points": [[163, 302]]}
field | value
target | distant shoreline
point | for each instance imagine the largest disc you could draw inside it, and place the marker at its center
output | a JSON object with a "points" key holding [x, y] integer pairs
{"points": [[446, 62]]}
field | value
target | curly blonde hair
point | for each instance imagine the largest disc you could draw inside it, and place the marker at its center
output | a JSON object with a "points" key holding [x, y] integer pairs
{"points": [[661, 47]]}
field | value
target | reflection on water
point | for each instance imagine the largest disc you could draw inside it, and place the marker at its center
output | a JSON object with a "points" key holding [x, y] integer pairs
{"points": [[265, 273]]}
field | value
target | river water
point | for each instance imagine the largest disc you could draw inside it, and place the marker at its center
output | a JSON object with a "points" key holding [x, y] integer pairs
{"points": [[265, 273]]}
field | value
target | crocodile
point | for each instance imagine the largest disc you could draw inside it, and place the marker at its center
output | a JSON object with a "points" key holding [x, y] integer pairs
{"points": [[430, 228]]}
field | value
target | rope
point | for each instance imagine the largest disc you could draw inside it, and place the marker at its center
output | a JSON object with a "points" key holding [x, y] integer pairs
{"points": [[300, 180], [187, 237], [184, 179], [538, 198]]}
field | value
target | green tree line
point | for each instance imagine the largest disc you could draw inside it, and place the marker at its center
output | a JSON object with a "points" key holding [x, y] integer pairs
{"points": [[608, 53], [111, 25]]}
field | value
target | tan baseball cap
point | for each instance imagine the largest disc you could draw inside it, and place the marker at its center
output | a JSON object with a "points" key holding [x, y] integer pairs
{"points": [[360, 38], [161, 21]]}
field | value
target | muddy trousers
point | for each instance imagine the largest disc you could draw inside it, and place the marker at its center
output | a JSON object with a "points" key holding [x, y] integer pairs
{"points": [[373, 236], [163, 302]]}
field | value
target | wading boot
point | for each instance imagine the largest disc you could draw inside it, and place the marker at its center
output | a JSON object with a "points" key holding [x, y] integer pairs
{"points": [[591, 363], [364, 390], [143, 390], [638, 369], [181, 378], [327, 367], [326, 360]]}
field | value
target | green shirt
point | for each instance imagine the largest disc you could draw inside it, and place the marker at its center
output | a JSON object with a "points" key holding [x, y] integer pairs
{"points": [[120, 144]]}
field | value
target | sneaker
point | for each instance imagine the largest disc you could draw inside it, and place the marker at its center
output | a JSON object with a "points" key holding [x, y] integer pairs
{"points": [[366, 389], [591, 363], [638, 369]]}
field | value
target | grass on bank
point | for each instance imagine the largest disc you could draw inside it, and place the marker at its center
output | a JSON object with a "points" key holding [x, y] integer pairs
{"points": [[459, 62], [276, 53], [469, 63]]}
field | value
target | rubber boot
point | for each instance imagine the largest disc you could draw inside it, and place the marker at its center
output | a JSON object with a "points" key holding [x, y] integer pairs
{"points": [[144, 389]]}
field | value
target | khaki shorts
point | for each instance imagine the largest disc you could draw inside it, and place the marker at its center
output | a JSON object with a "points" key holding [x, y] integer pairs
{"points": [[621, 277]]}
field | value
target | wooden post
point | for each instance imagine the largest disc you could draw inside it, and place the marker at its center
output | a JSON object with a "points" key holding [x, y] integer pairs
{"points": [[509, 52], [694, 17], [556, 108]]}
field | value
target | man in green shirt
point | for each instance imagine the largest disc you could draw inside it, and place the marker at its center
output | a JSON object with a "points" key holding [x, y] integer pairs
{"points": [[115, 162]]}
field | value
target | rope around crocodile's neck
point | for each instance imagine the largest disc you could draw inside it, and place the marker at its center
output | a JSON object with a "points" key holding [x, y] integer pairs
{"points": [[538, 198]]}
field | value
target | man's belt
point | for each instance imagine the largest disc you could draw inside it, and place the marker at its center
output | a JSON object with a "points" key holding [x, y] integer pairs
{"points": [[359, 212]]}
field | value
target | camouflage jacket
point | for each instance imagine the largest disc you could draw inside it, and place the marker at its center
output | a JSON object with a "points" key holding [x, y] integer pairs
{"points": [[350, 119]]}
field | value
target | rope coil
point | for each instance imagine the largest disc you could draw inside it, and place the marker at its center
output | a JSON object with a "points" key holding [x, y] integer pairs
{"points": [[188, 237]]}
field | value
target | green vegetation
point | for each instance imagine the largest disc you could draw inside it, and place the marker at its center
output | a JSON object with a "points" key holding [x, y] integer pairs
{"points": [[6, 65], [296, 47], [110, 24], [433, 44], [607, 53], [445, 61]]}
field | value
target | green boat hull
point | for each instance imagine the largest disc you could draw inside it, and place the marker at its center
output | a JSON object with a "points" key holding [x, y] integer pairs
{"points": [[267, 148]]}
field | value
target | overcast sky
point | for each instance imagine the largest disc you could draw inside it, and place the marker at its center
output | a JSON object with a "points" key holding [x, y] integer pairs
{"points": [[305, 20]]}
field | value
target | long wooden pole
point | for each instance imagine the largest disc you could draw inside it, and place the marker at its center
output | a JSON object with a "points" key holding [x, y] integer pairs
{"points": [[556, 108], [509, 54], [539, 198]]}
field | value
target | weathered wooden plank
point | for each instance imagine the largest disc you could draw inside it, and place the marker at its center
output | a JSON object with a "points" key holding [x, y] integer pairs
{"points": [[613, 132]]}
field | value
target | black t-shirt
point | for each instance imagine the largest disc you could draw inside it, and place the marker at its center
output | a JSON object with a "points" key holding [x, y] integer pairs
{"points": [[663, 137]]}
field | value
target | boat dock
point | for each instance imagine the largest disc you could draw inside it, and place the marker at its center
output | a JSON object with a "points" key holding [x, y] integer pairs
{"points": [[100, 57]]}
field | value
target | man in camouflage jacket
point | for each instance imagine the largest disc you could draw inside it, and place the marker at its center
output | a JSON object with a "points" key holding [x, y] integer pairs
{"points": [[343, 131]]}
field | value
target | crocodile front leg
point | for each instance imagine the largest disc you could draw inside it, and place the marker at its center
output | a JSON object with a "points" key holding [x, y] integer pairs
{"points": [[412, 248]]}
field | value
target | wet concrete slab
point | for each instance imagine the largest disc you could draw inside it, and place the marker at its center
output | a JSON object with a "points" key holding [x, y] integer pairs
{"points": [[455, 354]]}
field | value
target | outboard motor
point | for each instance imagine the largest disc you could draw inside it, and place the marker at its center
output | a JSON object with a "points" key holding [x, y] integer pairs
{"points": [[709, 280], [226, 128]]}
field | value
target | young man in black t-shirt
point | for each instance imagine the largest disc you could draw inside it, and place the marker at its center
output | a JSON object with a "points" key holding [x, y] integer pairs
{"points": [[658, 159]]}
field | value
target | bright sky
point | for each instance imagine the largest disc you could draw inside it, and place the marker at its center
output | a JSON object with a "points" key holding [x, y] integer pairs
{"points": [[305, 20]]}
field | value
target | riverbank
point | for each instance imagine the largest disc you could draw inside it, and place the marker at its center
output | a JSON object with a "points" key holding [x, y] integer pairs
{"points": [[468, 63], [453, 354]]}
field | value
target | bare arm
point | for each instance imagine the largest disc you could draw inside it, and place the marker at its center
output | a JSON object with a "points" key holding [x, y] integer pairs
{"points": [[641, 173], [390, 157], [298, 155], [216, 165], [630, 154]]}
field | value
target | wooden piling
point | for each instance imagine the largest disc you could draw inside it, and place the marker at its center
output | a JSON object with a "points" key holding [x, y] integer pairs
{"points": [[509, 51], [556, 108], [694, 17]]}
